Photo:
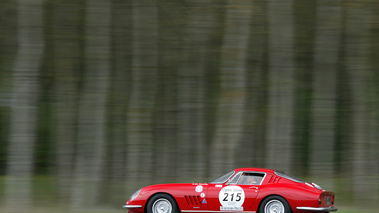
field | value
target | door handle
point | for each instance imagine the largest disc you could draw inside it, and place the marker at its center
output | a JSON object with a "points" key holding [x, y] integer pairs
{"points": [[253, 187]]}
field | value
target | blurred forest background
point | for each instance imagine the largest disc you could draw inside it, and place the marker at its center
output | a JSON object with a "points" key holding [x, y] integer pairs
{"points": [[101, 97]]}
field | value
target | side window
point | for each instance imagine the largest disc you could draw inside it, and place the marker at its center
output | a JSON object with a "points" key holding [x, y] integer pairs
{"points": [[235, 178], [251, 179]]}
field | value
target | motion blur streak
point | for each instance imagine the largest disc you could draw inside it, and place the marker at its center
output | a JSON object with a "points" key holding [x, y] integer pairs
{"points": [[99, 98]]}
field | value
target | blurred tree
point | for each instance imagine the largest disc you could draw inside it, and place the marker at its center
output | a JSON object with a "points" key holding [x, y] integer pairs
{"points": [[374, 91], [149, 91], [327, 45], [212, 81], [191, 151], [231, 104], [90, 155], [143, 86], [170, 35], [8, 49], [281, 85], [23, 112], [67, 61], [304, 43], [119, 98], [357, 52], [250, 150]]}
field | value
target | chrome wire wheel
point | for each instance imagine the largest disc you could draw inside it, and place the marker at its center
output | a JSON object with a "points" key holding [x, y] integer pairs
{"points": [[274, 206], [162, 205]]}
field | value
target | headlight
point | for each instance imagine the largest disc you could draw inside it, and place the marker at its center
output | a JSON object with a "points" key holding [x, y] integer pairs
{"points": [[134, 195]]}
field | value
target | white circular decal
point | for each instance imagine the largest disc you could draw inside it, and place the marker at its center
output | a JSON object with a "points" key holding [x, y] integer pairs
{"points": [[231, 198], [202, 195], [199, 188]]}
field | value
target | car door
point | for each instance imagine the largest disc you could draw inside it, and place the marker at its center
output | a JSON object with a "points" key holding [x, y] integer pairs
{"points": [[235, 195]]}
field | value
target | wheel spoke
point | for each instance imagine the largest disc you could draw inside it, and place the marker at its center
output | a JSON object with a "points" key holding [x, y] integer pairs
{"points": [[162, 205], [274, 206]]}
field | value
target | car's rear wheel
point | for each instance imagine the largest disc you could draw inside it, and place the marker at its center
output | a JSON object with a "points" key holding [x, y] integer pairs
{"points": [[162, 203], [274, 204]]}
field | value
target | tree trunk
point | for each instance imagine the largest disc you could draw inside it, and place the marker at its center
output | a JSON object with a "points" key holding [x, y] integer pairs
{"points": [[250, 150], [305, 13], [374, 91], [324, 89], [8, 51], [212, 67], [144, 77], [23, 113], [231, 106], [170, 29], [120, 90], [281, 85], [92, 106], [357, 53], [67, 54], [191, 153]]}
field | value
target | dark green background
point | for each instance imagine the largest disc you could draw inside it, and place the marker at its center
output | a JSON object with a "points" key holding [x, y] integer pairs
{"points": [[130, 93]]}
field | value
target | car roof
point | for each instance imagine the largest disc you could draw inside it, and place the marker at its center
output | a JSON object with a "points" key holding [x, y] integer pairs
{"points": [[250, 169]]}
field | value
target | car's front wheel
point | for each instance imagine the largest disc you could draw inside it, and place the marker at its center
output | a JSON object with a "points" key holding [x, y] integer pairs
{"points": [[162, 203], [274, 204]]}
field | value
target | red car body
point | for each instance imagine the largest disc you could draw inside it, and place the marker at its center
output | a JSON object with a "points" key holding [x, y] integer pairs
{"points": [[272, 191]]}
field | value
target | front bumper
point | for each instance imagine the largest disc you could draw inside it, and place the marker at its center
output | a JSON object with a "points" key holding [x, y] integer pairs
{"points": [[131, 206], [318, 209]]}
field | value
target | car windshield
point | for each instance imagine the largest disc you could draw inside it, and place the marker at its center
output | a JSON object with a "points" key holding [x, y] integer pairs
{"points": [[223, 178], [289, 177]]}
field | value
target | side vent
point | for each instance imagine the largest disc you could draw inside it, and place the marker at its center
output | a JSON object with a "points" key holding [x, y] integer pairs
{"points": [[193, 200], [271, 179], [274, 179]]}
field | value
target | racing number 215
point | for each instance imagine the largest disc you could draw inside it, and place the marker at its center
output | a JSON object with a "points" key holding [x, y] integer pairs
{"points": [[231, 197]]}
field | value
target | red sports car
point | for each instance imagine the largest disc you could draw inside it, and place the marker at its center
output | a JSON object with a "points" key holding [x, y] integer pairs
{"points": [[241, 190]]}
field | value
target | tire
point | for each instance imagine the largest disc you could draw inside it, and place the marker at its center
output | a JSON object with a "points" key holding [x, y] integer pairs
{"points": [[274, 204], [162, 203]]}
